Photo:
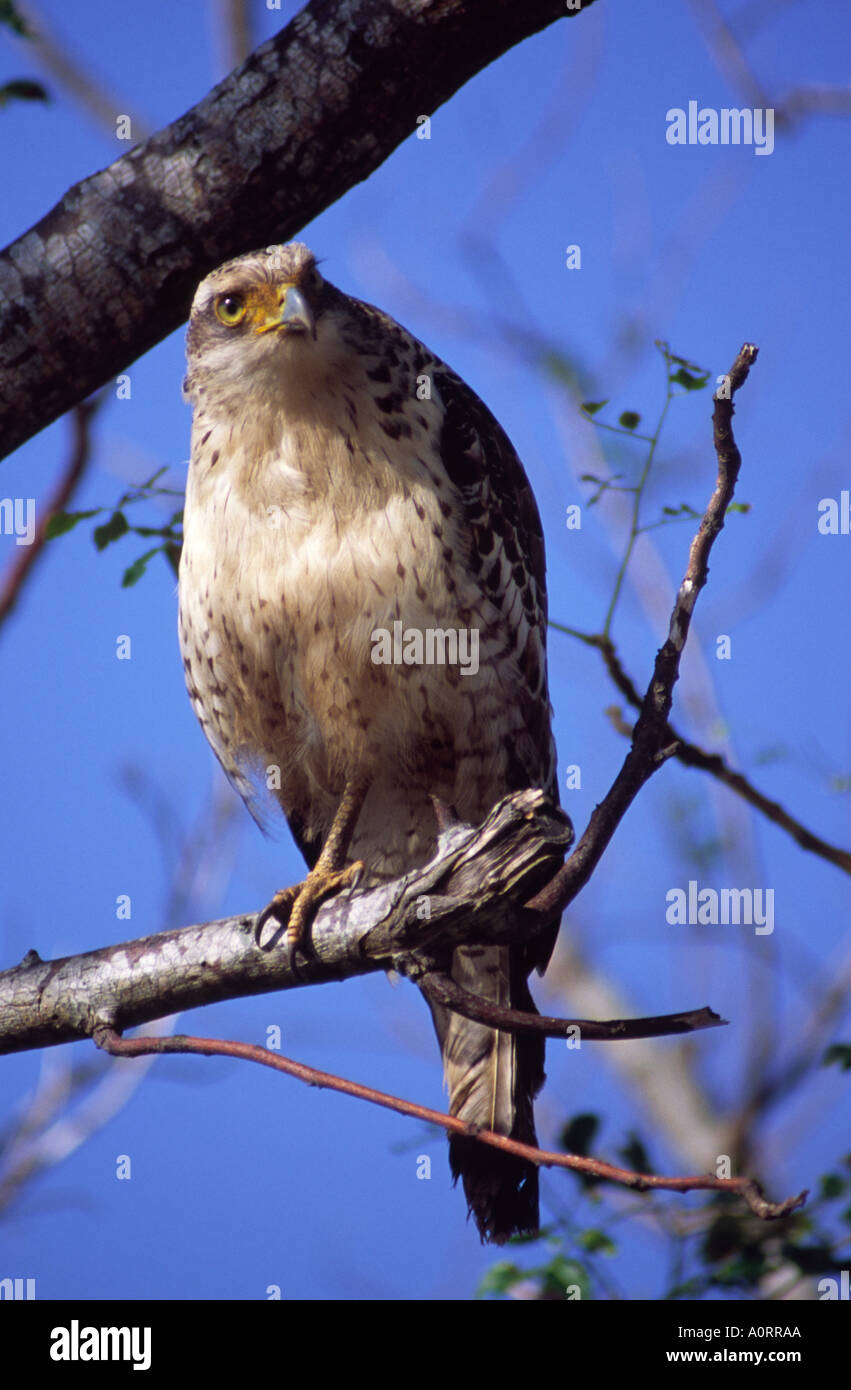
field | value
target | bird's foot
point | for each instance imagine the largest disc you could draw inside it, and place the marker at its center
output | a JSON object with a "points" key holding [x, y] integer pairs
{"points": [[299, 903]]}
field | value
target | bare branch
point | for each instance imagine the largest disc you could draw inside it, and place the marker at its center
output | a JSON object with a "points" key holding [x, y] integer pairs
{"points": [[747, 1188], [16, 574], [442, 989], [473, 889], [650, 743], [692, 755], [90, 92]]}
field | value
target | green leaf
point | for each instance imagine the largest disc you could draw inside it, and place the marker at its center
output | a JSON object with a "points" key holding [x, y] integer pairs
{"points": [[591, 407], [61, 522], [22, 89], [578, 1134], [738, 507], [831, 1186], [594, 1241], [723, 1237], [743, 1272], [162, 531], [13, 20], [690, 381], [840, 1053], [635, 1155], [682, 510], [812, 1259], [134, 572], [629, 419], [500, 1278], [111, 530], [558, 1276]]}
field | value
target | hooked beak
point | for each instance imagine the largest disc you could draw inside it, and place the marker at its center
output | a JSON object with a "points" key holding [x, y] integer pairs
{"points": [[295, 315]]}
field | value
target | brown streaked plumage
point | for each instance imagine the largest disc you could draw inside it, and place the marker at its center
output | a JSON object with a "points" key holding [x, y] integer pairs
{"points": [[344, 479]]}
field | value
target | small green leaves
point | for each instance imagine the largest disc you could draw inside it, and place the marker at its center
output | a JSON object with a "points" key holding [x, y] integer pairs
{"points": [[596, 1242], [578, 1134], [111, 530], [134, 572], [10, 16], [62, 522], [635, 1155], [831, 1186], [22, 89], [838, 1054], [561, 1278], [687, 374], [169, 535], [690, 381]]}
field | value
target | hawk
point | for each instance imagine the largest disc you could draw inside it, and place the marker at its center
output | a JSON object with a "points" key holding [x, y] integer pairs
{"points": [[345, 483]]}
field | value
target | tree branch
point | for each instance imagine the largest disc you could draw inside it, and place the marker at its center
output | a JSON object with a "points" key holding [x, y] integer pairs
{"points": [[748, 1188], [650, 745], [12, 582], [112, 268], [442, 989], [473, 889], [692, 755]]}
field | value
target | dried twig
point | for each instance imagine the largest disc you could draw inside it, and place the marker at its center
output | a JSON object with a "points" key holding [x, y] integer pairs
{"points": [[747, 1188], [651, 745], [13, 581], [442, 989], [692, 755]]}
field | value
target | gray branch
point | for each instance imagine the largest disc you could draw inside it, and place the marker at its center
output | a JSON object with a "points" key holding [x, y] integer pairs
{"points": [[111, 270], [472, 890]]}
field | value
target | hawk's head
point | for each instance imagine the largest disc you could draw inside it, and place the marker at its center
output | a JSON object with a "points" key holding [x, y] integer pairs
{"points": [[253, 320]]}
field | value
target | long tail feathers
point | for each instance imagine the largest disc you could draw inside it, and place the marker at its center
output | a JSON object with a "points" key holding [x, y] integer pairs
{"points": [[493, 1079]]}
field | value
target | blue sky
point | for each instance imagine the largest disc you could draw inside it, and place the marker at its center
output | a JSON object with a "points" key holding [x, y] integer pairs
{"points": [[241, 1179]]}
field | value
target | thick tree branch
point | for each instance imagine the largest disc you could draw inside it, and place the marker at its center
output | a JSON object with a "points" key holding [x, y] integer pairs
{"points": [[473, 889], [112, 268]]}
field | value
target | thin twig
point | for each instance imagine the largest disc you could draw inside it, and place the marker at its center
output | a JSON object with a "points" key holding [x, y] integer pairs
{"points": [[442, 989], [746, 1188], [651, 745], [88, 91], [692, 755], [17, 572]]}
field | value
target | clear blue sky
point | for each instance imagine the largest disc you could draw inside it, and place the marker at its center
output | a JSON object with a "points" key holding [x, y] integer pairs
{"points": [[242, 1179]]}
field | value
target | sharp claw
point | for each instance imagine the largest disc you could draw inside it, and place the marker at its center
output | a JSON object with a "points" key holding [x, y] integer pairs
{"points": [[273, 909], [304, 899]]}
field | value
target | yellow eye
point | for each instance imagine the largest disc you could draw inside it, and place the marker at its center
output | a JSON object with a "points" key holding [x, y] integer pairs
{"points": [[230, 309]]}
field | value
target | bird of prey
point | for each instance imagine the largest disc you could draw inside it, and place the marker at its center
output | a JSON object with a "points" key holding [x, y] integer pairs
{"points": [[345, 483]]}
